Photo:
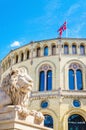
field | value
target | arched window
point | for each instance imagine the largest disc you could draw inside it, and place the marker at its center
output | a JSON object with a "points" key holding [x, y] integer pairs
{"points": [[76, 122], [75, 77], [53, 49], [41, 81], [22, 56], [82, 50], [38, 52], [28, 54], [48, 121], [66, 49], [79, 79], [71, 80], [46, 51], [16, 58], [49, 80], [45, 78], [74, 51]]}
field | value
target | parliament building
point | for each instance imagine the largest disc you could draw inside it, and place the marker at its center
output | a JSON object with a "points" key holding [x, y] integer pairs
{"points": [[58, 69]]}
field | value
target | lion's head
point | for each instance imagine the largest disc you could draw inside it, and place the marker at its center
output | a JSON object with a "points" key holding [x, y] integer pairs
{"points": [[18, 85]]}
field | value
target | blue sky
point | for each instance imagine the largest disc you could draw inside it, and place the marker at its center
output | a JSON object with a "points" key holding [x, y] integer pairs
{"points": [[22, 21]]}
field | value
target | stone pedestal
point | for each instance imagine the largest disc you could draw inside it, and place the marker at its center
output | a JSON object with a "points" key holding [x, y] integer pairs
{"points": [[20, 125], [9, 120]]}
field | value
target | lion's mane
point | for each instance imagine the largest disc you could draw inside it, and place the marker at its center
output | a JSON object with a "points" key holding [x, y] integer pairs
{"points": [[18, 85]]}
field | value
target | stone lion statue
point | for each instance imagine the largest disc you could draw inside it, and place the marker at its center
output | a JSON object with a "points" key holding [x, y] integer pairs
{"points": [[16, 88]]}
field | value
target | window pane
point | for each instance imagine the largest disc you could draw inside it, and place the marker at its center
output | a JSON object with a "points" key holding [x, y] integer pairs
{"points": [[82, 50], [66, 49], [74, 49], [71, 79], [46, 51], [48, 121], [76, 118], [49, 80], [41, 81], [79, 79], [76, 103], [76, 122]]}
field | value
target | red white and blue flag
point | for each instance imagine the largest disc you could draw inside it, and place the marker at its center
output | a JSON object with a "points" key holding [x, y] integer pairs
{"points": [[62, 28]]}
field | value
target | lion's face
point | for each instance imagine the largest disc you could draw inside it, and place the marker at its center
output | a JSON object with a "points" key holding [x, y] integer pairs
{"points": [[17, 85], [19, 80]]}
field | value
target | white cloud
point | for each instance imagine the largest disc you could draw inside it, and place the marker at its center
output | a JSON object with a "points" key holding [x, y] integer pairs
{"points": [[15, 44], [72, 9]]}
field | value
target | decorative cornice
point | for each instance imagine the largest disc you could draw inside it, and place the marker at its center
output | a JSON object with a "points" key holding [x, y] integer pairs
{"points": [[74, 93], [44, 95], [58, 94]]}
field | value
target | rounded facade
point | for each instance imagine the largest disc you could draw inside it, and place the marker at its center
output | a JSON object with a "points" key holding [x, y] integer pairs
{"points": [[57, 67]]}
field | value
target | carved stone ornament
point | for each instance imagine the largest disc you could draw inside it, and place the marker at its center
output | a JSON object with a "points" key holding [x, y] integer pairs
{"points": [[38, 116], [75, 66], [15, 90], [45, 67], [17, 85]]}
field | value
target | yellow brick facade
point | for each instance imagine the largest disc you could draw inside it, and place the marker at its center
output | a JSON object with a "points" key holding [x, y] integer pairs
{"points": [[60, 98]]}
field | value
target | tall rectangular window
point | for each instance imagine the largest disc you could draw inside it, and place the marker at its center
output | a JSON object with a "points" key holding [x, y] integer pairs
{"points": [[74, 51], [49, 80], [66, 49], [82, 50], [46, 51], [41, 81]]}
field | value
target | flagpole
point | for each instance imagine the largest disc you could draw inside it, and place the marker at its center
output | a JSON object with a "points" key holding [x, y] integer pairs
{"points": [[60, 48], [66, 30], [60, 30], [60, 45]]}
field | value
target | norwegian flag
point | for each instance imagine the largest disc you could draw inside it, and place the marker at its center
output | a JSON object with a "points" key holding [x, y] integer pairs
{"points": [[62, 28]]}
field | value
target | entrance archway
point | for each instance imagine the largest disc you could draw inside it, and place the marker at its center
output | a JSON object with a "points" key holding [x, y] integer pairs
{"points": [[76, 122]]}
